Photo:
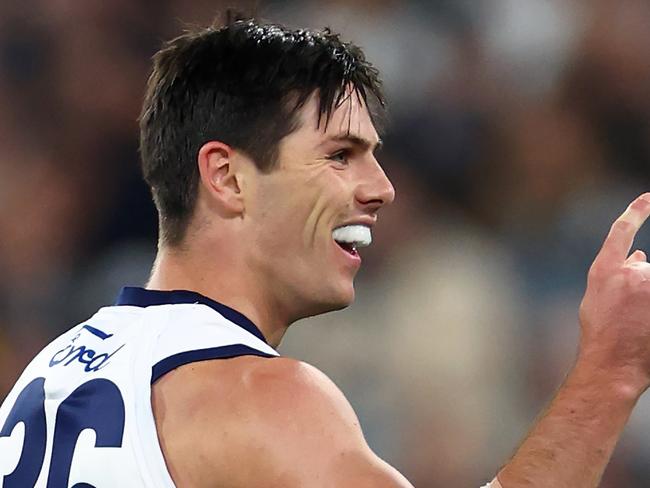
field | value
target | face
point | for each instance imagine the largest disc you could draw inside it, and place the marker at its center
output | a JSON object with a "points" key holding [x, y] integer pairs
{"points": [[325, 178]]}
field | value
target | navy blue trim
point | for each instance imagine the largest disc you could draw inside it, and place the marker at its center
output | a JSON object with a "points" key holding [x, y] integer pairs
{"points": [[140, 297], [224, 352], [99, 333]]}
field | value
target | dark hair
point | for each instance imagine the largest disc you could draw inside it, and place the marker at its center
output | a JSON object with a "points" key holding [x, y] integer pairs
{"points": [[242, 84]]}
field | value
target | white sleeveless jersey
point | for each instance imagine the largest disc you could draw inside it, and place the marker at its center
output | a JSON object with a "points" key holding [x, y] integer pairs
{"points": [[80, 415]]}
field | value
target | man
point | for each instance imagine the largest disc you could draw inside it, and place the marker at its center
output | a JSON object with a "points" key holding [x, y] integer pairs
{"points": [[258, 143]]}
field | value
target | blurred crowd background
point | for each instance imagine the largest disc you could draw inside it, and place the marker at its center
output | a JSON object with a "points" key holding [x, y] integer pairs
{"points": [[520, 129]]}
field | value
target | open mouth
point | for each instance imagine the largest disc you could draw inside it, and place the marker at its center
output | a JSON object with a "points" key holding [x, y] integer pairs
{"points": [[348, 247], [352, 236]]}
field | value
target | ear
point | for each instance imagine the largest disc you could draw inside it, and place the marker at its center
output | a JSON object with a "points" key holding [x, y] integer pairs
{"points": [[220, 178]]}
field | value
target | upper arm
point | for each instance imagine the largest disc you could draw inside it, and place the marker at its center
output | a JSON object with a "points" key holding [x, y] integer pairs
{"points": [[284, 424]]}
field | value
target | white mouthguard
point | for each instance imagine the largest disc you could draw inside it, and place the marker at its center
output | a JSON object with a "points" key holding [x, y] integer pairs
{"points": [[357, 235]]}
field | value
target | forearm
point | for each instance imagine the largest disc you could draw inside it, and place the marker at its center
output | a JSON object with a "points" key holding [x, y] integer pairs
{"points": [[571, 444]]}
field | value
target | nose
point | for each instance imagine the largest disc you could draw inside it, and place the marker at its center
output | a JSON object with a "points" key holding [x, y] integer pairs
{"points": [[376, 190]]}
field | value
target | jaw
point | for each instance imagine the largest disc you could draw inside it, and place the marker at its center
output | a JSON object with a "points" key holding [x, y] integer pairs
{"points": [[341, 269], [335, 300], [328, 289]]}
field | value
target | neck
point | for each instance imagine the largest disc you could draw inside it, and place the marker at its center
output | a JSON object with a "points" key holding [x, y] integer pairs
{"points": [[227, 281]]}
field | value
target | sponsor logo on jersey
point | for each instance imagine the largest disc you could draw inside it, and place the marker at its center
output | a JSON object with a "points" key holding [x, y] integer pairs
{"points": [[91, 359]]}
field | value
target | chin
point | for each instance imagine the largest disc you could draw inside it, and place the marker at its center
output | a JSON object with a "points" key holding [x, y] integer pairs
{"points": [[332, 301], [340, 300]]}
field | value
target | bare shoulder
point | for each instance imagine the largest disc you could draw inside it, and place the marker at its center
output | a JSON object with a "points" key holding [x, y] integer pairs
{"points": [[230, 422], [297, 388]]}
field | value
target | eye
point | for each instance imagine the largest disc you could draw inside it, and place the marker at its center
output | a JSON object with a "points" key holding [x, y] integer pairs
{"points": [[341, 156]]}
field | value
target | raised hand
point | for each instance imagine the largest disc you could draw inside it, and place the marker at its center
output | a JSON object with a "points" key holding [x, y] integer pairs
{"points": [[615, 311]]}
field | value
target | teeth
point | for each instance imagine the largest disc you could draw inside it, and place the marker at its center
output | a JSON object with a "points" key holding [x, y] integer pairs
{"points": [[357, 235]]}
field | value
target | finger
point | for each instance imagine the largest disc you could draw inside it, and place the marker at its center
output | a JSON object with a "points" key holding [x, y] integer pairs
{"points": [[621, 236], [637, 256], [641, 271]]}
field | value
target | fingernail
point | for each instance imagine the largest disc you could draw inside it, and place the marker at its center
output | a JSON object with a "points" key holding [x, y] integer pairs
{"points": [[646, 197]]}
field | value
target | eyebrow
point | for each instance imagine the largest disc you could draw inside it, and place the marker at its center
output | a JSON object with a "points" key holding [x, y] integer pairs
{"points": [[358, 141]]}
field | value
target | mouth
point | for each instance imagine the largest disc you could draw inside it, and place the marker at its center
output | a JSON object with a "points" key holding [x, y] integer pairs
{"points": [[348, 247], [350, 237]]}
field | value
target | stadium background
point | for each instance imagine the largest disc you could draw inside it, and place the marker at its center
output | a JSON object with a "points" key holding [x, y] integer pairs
{"points": [[520, 129]]}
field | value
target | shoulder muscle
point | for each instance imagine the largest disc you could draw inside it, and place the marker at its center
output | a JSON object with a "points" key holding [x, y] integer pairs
{"points": [[277, 420]]}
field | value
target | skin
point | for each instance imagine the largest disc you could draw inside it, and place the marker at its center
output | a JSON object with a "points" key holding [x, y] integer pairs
{"points": [[323, 179], [572, 443], [261, 243]]}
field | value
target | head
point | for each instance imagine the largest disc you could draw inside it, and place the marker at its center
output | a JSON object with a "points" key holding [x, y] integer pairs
{"points": [[266, 136]]}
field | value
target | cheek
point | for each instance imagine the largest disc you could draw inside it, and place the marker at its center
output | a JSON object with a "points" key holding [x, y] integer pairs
{"points": [[300, 211], [318, 221], [326, 205]]}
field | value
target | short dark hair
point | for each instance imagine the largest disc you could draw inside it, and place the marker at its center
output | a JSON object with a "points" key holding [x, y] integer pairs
{"points": [[242, 84]]}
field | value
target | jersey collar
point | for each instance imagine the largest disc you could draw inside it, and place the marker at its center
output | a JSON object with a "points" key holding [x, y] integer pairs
{"points": [[141, 297]]}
